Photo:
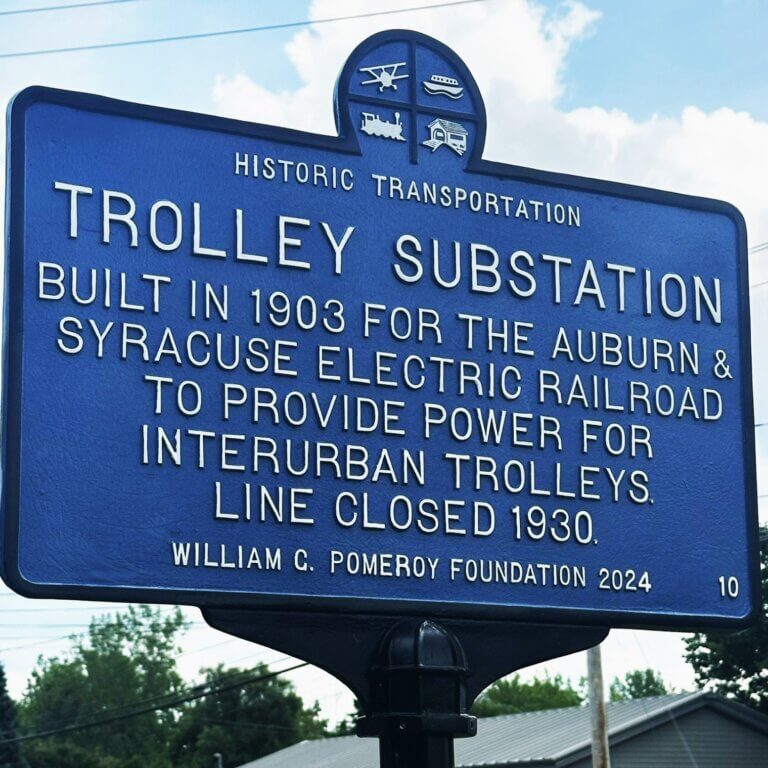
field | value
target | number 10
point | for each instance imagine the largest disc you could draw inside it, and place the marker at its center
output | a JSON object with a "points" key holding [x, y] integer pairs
{"points": [[729, 586]]}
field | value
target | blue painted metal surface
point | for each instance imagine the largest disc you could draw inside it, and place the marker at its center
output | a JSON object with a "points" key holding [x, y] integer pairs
{"points": [[500, 488]]}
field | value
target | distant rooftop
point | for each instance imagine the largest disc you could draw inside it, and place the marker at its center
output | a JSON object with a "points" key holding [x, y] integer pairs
{"points": [[528, 738]]}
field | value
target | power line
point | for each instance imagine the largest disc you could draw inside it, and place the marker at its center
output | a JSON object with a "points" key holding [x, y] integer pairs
{"points": [[238, 31], [72, 609], [82, 634], [46, 8], [28, 624], [156, 700], [45, 625], [74, 635], [246, 724], [669, 711], [146, 710], [208, 647], [758, 249], [30, 645]]}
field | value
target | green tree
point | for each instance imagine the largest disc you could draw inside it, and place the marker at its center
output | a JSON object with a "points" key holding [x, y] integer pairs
{"points": [[243, 722], [511, 695], [9, 749], [734, 664], [638, 684], [347, 726], [124, 660]]}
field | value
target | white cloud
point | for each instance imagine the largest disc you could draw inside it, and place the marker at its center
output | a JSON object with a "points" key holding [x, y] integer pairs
{"points": [[512, 43], [517, 51]]}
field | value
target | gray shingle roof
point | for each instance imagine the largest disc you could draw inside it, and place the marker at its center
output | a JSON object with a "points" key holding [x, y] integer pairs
{"points": [[509, 739]]}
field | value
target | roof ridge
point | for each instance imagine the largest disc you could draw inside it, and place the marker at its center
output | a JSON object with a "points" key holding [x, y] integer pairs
{"points": [[630, 718], [585, 704], [667, 696], [633, 722]]}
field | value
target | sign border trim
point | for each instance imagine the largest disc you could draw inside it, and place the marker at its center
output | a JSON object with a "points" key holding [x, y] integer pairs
{"points": [[345, 142]]}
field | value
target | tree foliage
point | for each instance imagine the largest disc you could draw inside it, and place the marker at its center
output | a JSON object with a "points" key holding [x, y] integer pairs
{"points": [[638, 684], [128, 662], [120, 681], [346, 727], [511, 695], [242, 723], [734, 664], [123, 661], [9, 749]]}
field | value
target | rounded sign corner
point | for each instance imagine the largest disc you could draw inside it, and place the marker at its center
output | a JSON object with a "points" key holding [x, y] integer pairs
{"points": [[734, 214], [14, 580], [23, 99]]}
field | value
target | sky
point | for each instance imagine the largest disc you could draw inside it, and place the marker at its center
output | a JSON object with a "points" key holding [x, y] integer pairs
{"points": [[671, 95]]}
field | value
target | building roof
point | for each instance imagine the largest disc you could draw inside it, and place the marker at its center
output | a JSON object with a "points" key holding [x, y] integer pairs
{"points": [[549, 737], [448, 125]]}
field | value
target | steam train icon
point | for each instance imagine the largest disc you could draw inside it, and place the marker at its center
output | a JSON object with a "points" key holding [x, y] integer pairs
{"points": [[373, 125]]}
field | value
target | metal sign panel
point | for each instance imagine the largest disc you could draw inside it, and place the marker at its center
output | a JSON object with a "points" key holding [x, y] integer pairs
{"points": [[371, 372]]}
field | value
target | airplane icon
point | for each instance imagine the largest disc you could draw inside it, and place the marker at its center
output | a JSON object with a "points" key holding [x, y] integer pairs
{"points": [[384, 75]]}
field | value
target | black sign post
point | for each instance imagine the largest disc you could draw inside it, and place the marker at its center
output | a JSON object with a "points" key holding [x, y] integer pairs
{"points": [[419, 702], [415, 678]]}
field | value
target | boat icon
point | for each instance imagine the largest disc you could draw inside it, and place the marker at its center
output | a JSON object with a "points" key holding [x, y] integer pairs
{"points": [[373, 125], [439, 85]]}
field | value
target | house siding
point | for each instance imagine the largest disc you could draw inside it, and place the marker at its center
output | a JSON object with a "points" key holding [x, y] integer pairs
{"points": [[709, 732], [701, 739]]}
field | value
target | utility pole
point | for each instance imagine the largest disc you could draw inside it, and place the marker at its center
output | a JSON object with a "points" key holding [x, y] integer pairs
{"points": [[217, 756], [601, 757]]}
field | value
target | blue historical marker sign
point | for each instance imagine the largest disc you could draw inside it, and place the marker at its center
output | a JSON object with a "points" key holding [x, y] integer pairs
{"points": [[369, 372]]}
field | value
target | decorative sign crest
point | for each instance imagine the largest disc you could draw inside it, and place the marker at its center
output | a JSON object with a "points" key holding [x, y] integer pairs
{"points": [[373, 372]]}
